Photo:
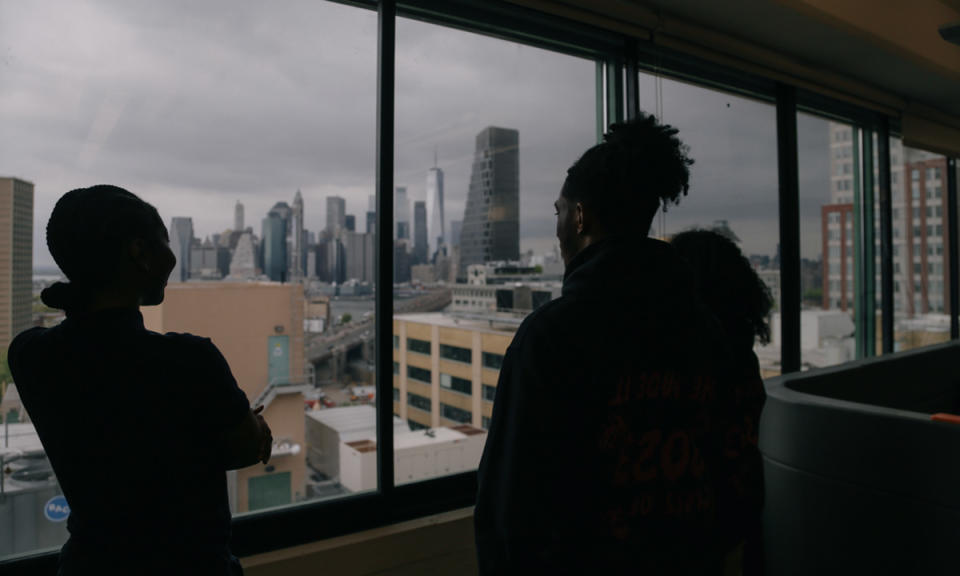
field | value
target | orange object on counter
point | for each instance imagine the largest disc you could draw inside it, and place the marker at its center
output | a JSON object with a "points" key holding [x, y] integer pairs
{"points": [[945, 417]]}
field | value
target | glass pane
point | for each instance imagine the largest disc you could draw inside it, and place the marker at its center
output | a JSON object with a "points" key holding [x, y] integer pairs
{"points": [[733, 181], [829, 166], [921, 247], [481, 156], [227, 121]]}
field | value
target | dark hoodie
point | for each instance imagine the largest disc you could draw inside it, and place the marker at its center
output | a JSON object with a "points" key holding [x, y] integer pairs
{"points": [[131, 420], [604, 451]]}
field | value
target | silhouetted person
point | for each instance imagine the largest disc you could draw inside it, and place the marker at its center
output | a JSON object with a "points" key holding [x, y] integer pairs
{"points": [[140, 427], [603, 455], [738, 298]]}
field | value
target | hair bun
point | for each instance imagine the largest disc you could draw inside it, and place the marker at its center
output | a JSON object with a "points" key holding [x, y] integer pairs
{"points": [[59, 295]]}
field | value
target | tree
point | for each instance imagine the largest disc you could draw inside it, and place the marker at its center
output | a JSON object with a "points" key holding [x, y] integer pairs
{"points": [[5, 376], [346, 318]]}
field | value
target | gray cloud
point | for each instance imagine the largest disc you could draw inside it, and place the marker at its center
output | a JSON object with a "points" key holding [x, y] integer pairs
{"points": [[197, 105]]}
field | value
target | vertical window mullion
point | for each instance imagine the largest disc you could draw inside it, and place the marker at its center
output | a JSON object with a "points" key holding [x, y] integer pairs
{"points": [[386, 67], [614, 91], [886, 233], [859, 293], [952, 248], [632, 104], [868, 252], [789, 201], [601, 101]]}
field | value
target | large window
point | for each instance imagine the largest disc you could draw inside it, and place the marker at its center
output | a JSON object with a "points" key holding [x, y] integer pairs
{"points": [[922, 285], [830, 165], [461, 385], [223, 115], [252, 128], [481, 155], [456, 353]]}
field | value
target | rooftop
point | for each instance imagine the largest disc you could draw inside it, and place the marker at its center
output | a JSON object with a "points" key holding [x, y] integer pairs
{"points": [[352, 419], [492, 323]]}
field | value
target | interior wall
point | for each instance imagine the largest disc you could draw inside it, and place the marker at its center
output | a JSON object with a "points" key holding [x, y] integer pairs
{"points": [[440, 545]]}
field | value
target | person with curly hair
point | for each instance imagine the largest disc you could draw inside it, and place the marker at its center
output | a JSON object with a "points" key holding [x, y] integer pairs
{"points": [[140, 427], [604, 451], [734, 293]]}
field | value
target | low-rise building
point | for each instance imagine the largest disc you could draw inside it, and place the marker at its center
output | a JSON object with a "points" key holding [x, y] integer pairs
{"points": [[258, 327], [445, 367]]}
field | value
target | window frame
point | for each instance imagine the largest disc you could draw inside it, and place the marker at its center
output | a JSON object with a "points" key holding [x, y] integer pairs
{"points": [[618, 58]]}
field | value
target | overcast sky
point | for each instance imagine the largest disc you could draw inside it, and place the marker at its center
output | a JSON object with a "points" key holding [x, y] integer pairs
{"points": [[196, 105]]}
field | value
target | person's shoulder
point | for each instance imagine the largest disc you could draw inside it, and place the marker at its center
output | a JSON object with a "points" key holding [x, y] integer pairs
{"points": [[22, 344], [542, 322]]}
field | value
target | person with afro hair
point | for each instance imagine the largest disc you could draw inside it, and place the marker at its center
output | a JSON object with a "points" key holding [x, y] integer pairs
{"points": [[604, 452], [734, 293]]}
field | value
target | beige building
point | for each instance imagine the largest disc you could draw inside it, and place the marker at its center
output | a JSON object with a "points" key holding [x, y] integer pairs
{"points": [[258, 326], [16, 258], [445, 368]]}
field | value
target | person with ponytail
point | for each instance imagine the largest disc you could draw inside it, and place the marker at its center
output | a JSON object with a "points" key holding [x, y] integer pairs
{"points": [[604, 452], [140, 427]]}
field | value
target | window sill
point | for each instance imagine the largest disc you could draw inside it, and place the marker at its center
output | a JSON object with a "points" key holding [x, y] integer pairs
{"points": [[441, 543]]}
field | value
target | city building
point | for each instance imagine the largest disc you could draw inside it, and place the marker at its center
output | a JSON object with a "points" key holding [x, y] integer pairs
{"points": [[455, 227], [445, 367], [360, 250], [350, 223], [491, 219], [420, 234], [274, 247], [327, 430], [336, 215], [401, 261], [919, 208], [16, 258], [258, 327], [417, 455], [401, 213], [243, 262], [298, 248], [238, 217], [371, 222], [435, 214], [504, 287], [181, 239], [209, 261]]}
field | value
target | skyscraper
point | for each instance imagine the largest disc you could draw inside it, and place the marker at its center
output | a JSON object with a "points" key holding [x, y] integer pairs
{"points": [[16, 258], [297, 247], [350, 223], [371, 222], [491, 219], [181, 239], [435, 216], [238, 217], [455, 227], [243, 262], [336, 215], [420, 242], [274, 247], [401, 213]]}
